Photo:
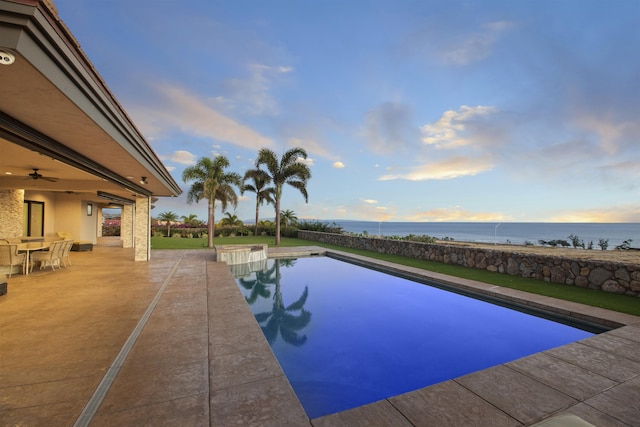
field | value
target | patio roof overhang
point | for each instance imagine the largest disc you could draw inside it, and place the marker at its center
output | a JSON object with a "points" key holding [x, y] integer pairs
{"points": [[57, 115]]}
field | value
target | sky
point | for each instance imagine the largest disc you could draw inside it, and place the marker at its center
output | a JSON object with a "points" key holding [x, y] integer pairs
{"points": [[524, 111]]}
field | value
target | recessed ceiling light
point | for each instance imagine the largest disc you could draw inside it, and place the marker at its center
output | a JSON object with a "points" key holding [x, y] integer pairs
{"points": [[8, 173]]}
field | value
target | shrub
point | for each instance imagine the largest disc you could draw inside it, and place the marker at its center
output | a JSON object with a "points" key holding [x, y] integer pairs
{"points": [[319, 226], [111, 230], [555, 243], [626, 245], [576, 241], [423, 238], [604, 244]]}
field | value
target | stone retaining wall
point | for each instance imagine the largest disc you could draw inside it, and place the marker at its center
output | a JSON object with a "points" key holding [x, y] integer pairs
{"points": [[607, 276]]}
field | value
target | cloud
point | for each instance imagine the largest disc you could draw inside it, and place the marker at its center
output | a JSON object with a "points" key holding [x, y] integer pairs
{"points": [[388, 127], [370, 201], [186, 112], [628, 167], [311, 145], [450, 168], [620, 213], [611, 134], [474, 47], [450, 130], [183, 157], [457, 214], [338, 165], [253, 95], [308, 161], [368, 212]]}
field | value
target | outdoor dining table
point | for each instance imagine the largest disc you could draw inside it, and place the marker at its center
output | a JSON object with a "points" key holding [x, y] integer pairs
{"points": [[30, 247]]}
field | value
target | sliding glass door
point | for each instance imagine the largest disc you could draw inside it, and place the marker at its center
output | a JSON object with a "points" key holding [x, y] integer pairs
{"points": [[33, 219]]}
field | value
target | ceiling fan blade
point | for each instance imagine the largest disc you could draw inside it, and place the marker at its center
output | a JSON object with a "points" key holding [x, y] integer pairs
{"points": [[35, 175]]}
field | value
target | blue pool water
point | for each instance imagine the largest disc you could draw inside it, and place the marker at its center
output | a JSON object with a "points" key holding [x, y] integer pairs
{"points": [[346, 335]]}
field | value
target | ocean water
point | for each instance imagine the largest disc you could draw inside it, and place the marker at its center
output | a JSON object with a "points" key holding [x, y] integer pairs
{"points": [[507, 232]]}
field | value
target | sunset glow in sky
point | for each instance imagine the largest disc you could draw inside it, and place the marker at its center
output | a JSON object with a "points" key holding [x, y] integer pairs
{"points": [[409, 110]]}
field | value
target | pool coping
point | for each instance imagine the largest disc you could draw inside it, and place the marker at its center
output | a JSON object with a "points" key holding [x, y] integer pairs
{"points": [[496, 403]]}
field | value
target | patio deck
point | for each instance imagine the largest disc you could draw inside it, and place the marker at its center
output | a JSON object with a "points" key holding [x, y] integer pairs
{"points": [[109, 341]]}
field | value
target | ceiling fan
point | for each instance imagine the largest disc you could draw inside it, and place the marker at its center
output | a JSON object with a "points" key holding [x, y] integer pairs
{"points": [[35, 176]]}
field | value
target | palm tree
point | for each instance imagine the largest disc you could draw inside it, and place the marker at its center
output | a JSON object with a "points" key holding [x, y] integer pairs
{"points": [[169, 217], [191, 219], [288, 171], [231, 220], [263, 193], [288, 218], [211, 182]]}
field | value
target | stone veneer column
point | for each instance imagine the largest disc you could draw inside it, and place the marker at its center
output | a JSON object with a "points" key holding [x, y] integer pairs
{"points": [[11, 211], [143, 229], [126, 226], [98, 212]]}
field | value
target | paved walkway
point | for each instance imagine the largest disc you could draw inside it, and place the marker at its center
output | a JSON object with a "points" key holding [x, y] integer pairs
{"points": [[109, 341]]}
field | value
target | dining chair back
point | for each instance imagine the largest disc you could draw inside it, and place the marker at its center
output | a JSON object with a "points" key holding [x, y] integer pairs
{"points": [[50, 257], [9, 257], [65, 256]]}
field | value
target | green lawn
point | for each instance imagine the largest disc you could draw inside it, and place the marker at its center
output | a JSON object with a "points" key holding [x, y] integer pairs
{"points": [[184, 243], [621, 303]]}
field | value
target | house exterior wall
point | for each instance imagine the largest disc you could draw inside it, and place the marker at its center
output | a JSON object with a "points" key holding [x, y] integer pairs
{"points": [[67, 216], [11, 211], [88, 223]]}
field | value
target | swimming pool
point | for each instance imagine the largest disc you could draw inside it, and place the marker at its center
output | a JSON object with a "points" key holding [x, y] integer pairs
{"points": [[346, 335]]}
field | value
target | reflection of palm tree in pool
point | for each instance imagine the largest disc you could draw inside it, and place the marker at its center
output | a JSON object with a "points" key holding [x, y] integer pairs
{"points": [[281, 319], [259, 285]]}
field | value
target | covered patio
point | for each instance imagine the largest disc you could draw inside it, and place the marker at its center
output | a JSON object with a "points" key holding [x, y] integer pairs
{"points": [[110, 341], [68, 147]]}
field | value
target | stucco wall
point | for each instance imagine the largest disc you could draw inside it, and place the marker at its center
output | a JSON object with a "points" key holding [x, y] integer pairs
{"points": [[88, 223], [606, 276], [67, 216], [11, 210]]}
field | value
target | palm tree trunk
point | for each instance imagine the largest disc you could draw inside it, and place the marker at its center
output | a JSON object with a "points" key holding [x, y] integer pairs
{"points": [[257, 216], [278, 193], [211, 226]]}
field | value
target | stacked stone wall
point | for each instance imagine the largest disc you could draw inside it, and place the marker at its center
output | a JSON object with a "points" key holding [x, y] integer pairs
{"points": [[607, 276], [11, 209]]}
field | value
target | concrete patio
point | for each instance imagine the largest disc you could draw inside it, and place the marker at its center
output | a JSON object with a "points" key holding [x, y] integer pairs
{"points": [[109, 341]]}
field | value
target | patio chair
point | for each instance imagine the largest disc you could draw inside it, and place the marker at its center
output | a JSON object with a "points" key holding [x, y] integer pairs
{"points": [[66, 251], [9, 257], [49, 257]]}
